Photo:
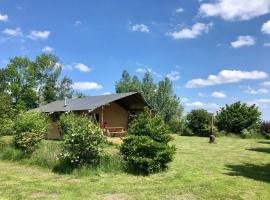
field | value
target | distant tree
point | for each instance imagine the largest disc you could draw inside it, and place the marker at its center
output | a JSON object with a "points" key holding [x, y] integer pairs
{"points": [[65, 89], [48, 70], [161, 98], [5, 106], [167, 104], [238, 116], [20, 82], [198, 121], [149, 89], [78, 95]]}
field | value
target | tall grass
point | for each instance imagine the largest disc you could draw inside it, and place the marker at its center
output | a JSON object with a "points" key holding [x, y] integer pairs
{"points": [[47, 157]]}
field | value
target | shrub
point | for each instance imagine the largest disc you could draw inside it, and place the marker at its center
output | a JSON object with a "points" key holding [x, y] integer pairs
{"points": [[250, 133], [146, 149], [198, 121], [6, 126], [30, 128], [265, 128], [28, 142], [82, 140], [238, 116], [32, 122]]}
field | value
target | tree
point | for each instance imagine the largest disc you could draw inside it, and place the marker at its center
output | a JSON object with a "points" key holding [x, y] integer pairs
{"points": [[160, 98], [20, 80], [198, 121], [146, 149], [238, 116], [149, 89], [47, 70], [167, 104], [65, 89]]}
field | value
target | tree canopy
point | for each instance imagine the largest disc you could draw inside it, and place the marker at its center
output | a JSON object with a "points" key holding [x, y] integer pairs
{"points": [[159, 96]]}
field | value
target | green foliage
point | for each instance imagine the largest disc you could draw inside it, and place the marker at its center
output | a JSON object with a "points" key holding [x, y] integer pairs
{"points": [[159, 96], [265, 128], [27, 142], [199, 122], [238, 116], [83, 140], [6, 126], [65, 88], [146, 149], [251, 133], [30, 128], [32, 122], [146, 155]]}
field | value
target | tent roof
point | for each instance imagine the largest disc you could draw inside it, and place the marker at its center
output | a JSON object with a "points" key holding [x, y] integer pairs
{"points": [[130, 101]]}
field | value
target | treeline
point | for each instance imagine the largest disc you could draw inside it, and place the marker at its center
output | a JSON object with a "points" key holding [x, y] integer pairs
{"points": [[159, 96]]}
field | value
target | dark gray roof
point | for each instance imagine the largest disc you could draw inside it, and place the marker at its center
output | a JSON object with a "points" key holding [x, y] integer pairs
{"points": [[131, 100]]}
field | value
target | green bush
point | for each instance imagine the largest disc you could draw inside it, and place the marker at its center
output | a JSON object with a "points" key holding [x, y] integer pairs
{"points": [[238, 116], [32, 122], [30, 128], [199, 122], [146, 149], [251, 134], [83, 140], [6, 126], [265, 128]]}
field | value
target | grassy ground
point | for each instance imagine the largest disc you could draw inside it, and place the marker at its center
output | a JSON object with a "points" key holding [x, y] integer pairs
{"points": [[230, 169]]}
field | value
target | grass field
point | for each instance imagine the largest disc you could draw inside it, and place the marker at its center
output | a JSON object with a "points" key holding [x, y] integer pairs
{"points": [[230, 169]]}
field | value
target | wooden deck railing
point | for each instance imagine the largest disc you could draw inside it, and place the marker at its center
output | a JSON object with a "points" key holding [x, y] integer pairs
{"points": [[115, 131]]}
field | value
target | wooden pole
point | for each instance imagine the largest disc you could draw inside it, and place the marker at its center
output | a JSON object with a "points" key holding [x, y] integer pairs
{"points": [[102, 117]]}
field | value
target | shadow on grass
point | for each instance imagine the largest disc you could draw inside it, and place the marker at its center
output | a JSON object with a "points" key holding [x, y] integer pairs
{"points": [[251, 171], [264, 142], [260, 149]]}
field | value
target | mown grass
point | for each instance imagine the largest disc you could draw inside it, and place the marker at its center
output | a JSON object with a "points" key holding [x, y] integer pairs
{"points": [[231, 168]]}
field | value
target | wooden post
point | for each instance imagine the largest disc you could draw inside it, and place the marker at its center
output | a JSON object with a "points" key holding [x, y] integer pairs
{"points": [[101, 120]]}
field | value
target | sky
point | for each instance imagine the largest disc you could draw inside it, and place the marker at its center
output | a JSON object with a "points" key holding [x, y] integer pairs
{"points": [[215, 52]]}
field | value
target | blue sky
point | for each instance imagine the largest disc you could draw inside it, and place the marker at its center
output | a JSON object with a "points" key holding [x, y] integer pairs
{"points": [[214, 51]]}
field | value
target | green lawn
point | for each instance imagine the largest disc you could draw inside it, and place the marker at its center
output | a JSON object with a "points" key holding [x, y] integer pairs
{"points": [[230, 169]]}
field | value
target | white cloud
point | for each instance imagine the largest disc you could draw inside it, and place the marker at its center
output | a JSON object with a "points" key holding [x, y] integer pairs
{"points": [[219, 94], [266, 27], [86, 86], [35, 35], [225, 77], [77, 23], [139, 28], [67, 67], [47, 49], [250, 90], [243, 41], [266, 84], [82, 67], [184, 100], [173, 75], [260, 102], [144, 70], [106, 93], [17, 32], [200, 94], [179, 10], [191, 33], [266, 44], [235, 9], [3, 18], [208, 106]]}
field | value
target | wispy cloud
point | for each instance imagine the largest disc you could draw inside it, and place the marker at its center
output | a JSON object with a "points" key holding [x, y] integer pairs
{"points": [[47, 49], [235, 9], [77, 23], [144, 70], [266, 84], [86, 86], [17, 32], [250, 90], [219, 94], [173, 75], [225, 77], [179, 10], [243, 41], [36, 35], [192, 32], [139, 28], [266, 27], [82, 67], [3, 18]]}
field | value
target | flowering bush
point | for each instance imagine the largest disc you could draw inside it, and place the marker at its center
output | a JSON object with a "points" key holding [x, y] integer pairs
{"points": [[82, 140], [30, 128]]}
